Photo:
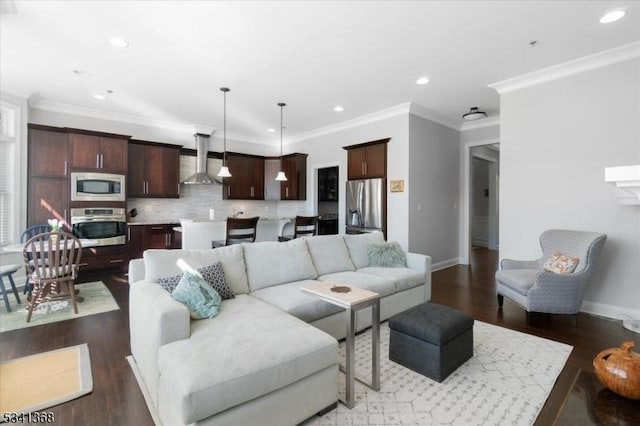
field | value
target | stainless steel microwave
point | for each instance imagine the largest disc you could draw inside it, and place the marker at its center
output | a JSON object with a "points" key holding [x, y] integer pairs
{"points": [[97, 187]]}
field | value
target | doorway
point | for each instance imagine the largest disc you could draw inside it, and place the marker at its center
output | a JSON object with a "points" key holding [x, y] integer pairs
{"points": [[489, 151]]}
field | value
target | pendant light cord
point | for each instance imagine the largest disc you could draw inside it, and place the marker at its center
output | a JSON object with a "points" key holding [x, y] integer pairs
{"points": [[224, 90], [281, 105]]}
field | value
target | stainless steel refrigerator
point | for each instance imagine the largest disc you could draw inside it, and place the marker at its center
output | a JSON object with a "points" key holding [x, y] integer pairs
{"points": [[365, 206]]}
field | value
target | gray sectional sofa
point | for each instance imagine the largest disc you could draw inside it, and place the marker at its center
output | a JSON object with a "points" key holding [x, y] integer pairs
{"points": [[271, 355]]}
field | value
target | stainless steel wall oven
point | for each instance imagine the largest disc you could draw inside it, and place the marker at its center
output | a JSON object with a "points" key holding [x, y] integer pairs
{"points": [[105, 225]]}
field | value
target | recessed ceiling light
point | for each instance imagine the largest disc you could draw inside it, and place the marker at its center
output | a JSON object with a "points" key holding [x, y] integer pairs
{"points": [[338, 108], [612, 16], [271, 130], [82, 73], [119, 42], [422, 81], [99, 97]]}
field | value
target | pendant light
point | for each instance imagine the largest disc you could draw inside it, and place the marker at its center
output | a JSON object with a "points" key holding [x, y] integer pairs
{"points": [[281, 176], [224, 170]]}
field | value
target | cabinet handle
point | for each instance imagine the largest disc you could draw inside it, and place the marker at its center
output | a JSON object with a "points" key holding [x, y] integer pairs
{"points": [[157, 228], [366, 167], [178, 190], [83, 264], [129, 234], [252, 193], [286, 192], [116, 261], [102, 161], [97, 161], [66, 167], [362, 168]]}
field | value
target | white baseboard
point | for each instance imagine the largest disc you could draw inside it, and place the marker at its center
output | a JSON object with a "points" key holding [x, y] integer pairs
{"points": [[610, 311], [444, 264]]}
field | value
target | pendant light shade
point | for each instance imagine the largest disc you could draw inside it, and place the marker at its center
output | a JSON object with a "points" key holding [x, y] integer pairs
{"points": [[474, 114], [224, 170], [281, 177]]}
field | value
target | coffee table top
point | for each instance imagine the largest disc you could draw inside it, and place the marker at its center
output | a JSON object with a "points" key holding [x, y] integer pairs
{"points": [[354, 296]]}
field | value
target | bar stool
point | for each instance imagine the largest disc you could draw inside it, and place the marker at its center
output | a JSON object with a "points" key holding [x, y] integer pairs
{"points": [[8, 271]]}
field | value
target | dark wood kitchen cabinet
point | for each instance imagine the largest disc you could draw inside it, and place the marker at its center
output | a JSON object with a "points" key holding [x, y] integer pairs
{"points": [[158, 236], [106, 257], [295, 168], [367, 160], [91, 152], [48, 181], [153, 170], [247, 177]]}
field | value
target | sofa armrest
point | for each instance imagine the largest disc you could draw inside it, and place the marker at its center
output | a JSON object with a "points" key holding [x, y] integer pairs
{"points": [[520, 264], [421, 263], [136, 270], [557, 293], [155, 319]]}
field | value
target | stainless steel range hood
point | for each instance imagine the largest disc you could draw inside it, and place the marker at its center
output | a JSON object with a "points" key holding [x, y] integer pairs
{"points": [[200, 177]]}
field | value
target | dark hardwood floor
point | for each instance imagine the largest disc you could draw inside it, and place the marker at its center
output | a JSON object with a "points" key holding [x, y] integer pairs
{"points": [[116, 399]]}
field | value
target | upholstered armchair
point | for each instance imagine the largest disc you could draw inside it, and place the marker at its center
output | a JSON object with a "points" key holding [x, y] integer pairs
{"points": [[534, 288]]}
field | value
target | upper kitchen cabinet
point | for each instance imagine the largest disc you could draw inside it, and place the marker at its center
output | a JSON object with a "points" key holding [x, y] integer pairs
{"points": [[367, 160], [98, 152], [153, 170], [48, 180], [247, 177], [295, 168]]}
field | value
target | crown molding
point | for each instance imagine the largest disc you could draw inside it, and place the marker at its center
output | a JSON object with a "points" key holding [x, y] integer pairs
{"points": [[428, 114], [20, 95], [566, 69], [485, 122], [348, 124], [115, 116]]}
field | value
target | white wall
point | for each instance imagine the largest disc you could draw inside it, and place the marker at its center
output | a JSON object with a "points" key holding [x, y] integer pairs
{"points": [[556, 139], [183, 137], [434, 153], [327, 150]]}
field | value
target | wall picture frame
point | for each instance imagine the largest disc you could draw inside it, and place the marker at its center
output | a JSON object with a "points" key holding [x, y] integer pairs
{"points": [[396, 185]]}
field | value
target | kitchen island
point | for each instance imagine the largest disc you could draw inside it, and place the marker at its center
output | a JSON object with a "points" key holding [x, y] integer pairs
{"points": [[199, 235]]}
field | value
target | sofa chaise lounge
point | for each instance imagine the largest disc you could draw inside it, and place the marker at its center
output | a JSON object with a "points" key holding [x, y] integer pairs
{"points": [[270, 357]]}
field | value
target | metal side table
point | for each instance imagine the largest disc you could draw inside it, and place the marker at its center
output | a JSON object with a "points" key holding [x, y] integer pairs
{"points": [[353, 299]]}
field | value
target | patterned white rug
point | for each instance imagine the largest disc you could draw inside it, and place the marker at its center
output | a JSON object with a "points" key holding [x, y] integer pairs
{"points": [[505, 383]]}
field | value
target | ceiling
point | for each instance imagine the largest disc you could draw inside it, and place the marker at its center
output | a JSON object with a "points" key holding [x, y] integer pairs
{"points": [[362, 55]]}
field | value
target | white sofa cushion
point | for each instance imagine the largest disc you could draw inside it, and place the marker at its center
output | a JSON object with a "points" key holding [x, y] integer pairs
{"points": [[404, 278], [162, 263], [250, 349], [271, 263], [357, 244], [329, 254], [382, 286], [294, 301]]}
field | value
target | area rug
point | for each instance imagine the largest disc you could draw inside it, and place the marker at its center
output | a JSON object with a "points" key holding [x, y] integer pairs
{"points": [[97, 299], [40, 381], [505, 383]]}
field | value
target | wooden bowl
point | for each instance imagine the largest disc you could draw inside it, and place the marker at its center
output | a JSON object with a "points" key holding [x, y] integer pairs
{"points": [[619, 370]]}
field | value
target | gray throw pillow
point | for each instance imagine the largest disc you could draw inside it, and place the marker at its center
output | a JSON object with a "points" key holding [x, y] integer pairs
{"points": [[213, 274], [386, 255]]}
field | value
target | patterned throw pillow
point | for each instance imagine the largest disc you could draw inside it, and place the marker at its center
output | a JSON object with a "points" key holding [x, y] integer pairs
{"points": [[386, 255], [213, 274], [197, 295], [561, 264]]}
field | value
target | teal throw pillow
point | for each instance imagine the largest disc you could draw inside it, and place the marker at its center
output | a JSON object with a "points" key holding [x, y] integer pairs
{"points": [[197, 295], [386, 255]]}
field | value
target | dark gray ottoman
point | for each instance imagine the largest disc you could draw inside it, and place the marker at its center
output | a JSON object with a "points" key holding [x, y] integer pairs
{"points": [[431, 339]]}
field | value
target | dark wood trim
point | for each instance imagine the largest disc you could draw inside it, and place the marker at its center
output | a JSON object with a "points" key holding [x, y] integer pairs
{"points": [[76, 131], [34, 126], [360, 145], [193, 153], [158, 144]]}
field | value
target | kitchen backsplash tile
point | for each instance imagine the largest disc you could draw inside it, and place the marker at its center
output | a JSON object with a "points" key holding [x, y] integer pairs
{"points": [[196, 200]]}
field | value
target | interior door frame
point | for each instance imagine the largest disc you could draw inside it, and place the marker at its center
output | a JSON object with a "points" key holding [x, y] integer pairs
{"points": [[465, 198]]}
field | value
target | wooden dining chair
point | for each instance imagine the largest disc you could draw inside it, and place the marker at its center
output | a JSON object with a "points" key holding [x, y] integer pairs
{"points": [[28, 233], [239, 230], [55, 258], [304, 226]]}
